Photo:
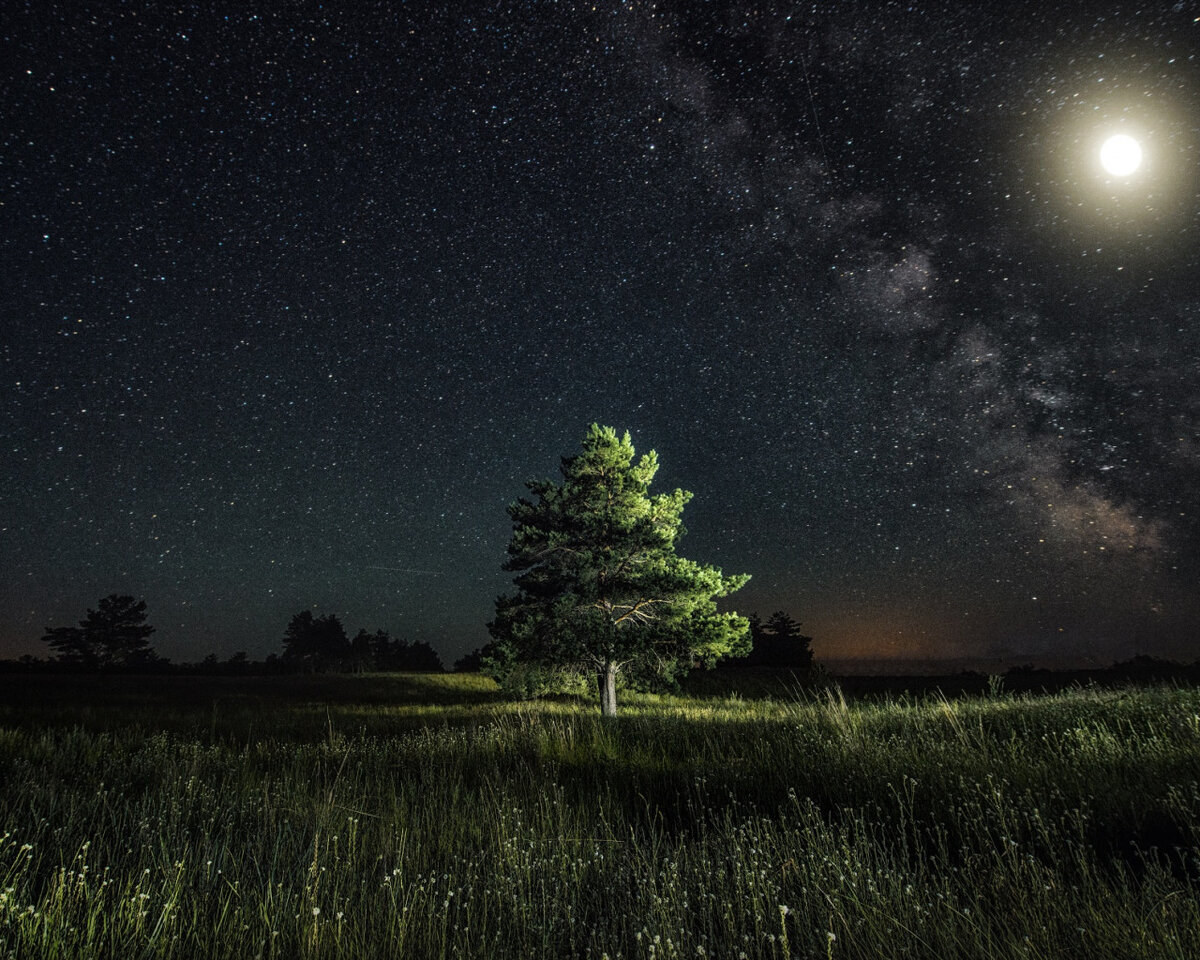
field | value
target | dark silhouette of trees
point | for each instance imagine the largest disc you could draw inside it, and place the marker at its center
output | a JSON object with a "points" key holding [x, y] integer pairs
{"points": [[362, 651], [422, 658], [380, 651], [472, 662], [71, 646], [238, 664], [316, 644], [598, 581], [115, 635], [779, 643], [319, 644]]}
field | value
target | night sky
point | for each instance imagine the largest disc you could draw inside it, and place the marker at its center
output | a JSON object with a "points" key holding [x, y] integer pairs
{"points": [[296, 297]]}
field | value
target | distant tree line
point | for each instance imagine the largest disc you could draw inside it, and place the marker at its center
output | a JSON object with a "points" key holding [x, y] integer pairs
{"points": [[320, 645], [115, 637]]}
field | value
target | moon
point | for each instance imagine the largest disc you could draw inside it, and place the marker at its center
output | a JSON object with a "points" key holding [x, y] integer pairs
{"points": [[1121, 155]]}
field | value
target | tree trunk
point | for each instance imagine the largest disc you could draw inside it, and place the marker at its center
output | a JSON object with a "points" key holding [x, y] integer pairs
{"points": [[606, 681]]}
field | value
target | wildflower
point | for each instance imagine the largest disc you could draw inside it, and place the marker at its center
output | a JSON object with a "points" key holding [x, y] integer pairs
{"points": [[316, 911]]}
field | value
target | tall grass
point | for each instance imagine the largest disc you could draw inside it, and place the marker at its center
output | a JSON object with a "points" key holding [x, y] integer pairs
{"points": [[1061, 826]]}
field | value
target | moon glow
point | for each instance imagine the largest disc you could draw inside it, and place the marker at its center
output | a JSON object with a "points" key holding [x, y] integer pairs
{"points": [[1121, 155]]}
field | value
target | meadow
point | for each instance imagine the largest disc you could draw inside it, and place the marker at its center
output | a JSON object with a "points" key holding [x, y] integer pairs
{"points": [[427, 816]]}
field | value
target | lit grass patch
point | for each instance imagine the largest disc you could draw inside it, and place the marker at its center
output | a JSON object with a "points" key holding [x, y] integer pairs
{"points": [[296, 826]]}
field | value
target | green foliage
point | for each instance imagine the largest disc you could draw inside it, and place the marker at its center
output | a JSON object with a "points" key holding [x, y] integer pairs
{"points": [[526, 680], [599, 584], [115, 635]]}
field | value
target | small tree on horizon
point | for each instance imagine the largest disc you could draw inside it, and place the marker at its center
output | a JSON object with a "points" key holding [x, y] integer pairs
{"points": [[113, 635], [598, 581], [778, 643]]}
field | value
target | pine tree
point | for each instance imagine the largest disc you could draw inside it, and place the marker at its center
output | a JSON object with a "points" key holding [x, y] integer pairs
{"points": [[113, 635], [783, 643], [598, 581], [118, 630]]}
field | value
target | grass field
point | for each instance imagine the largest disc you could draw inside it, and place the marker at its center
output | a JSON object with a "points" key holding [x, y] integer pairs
{"points": [[425, 816]]}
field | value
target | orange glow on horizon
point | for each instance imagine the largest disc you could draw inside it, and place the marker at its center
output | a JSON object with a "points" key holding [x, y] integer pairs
{"points": [[889, 633]]}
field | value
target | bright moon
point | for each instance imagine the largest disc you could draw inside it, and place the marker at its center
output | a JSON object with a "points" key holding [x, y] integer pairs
{"points": [[1121, 155]]}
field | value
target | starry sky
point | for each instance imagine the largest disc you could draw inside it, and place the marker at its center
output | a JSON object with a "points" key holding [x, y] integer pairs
{"points": [[296, 296]]}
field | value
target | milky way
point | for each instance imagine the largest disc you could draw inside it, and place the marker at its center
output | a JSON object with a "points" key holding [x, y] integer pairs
{"points": [[295, 300]]}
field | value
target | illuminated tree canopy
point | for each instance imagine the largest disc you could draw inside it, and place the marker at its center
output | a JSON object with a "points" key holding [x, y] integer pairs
{"points": [[599, 585]]}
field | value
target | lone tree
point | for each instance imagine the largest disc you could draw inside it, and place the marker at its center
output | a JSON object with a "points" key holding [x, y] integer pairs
{"points": [[598, 582], [114, 635]]}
